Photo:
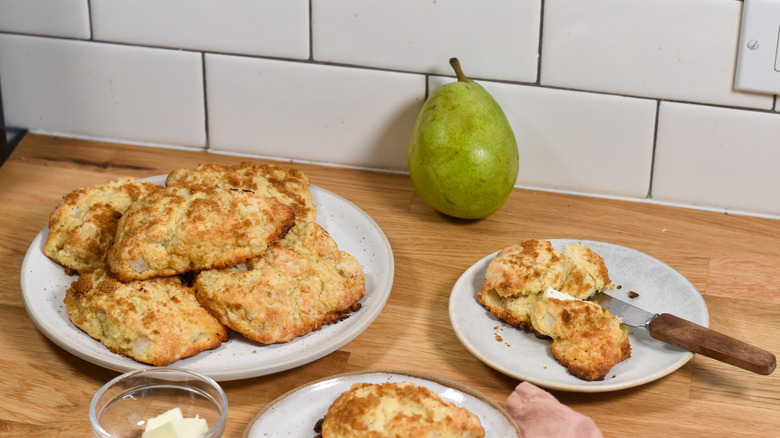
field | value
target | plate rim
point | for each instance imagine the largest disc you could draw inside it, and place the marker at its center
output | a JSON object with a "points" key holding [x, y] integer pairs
{"points": [[685, 356], [444, 381], [120, 363]]}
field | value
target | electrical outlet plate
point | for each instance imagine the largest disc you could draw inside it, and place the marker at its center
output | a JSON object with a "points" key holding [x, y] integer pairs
{"points": [[758, 59]]}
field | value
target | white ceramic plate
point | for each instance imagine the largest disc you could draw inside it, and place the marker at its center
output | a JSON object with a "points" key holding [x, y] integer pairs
{"points": [[521, 355], [44, 284], [295, 413]]}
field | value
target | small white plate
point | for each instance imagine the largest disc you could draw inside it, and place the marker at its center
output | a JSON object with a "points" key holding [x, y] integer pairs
{"points": [[43, 284], [295, 413], [522, 355]]}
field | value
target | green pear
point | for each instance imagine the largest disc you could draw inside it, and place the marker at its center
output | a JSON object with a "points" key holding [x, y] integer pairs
{"points": [[463, 154]]}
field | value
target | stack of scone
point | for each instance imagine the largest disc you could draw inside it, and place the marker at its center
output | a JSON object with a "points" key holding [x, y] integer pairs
{"points": [[401, 409], [165, 271], [586, 339]]}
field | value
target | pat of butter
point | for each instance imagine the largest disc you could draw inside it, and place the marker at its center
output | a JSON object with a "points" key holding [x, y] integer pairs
{"points": [[172, 424], [553, 293], [165, 417], [181, 428]]}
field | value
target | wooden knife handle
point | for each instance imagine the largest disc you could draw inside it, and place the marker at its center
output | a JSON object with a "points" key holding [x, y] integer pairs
{"points": [[697, 339]]}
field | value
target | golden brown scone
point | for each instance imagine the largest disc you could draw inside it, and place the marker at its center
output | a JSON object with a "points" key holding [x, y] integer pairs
{"points": [[588, 275], [586, 339], [288, 186], [526, 268], [293, 288], [516, 279], [84, 222], [180, 229], [157, 321], [401, 409], [513, 310]]}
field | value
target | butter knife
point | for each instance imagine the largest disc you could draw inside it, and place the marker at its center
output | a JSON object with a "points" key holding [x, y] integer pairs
{"points": [[691, 336]]}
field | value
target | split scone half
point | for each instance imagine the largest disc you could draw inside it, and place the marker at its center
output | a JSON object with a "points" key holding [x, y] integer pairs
{"points": [[156, 321], [180, 229], [401, 409], [83, 223], [295, 287], [286, 185], [586, 338], [517, 278]]}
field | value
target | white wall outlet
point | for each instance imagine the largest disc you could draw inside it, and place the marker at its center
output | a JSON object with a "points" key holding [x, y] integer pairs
{"points": [[758, 59]]}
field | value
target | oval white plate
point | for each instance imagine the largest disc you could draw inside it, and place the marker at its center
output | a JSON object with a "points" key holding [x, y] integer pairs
{"points": [[522, 355], [295, 413], [44, 284]]}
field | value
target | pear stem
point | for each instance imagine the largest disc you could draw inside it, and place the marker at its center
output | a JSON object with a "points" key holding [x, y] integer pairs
{"points": [[458, 71]]}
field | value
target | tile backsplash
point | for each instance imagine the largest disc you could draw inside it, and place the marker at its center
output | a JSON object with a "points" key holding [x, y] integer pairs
{"points": [[626, 98]]}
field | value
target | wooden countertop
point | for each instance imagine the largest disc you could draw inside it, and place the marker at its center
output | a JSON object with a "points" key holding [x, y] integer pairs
{"points": [[732, 260]]}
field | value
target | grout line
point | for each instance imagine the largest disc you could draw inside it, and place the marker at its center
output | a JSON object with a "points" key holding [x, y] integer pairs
{"points": [[598, 195], [655, 147], [539, 48], [537, 83], [205, 102], [105, 139], [690, 206], [89, 16], [311, 34]]}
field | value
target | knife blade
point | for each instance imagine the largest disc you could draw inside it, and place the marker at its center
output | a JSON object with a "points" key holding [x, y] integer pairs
{"points": [[693, 337]]}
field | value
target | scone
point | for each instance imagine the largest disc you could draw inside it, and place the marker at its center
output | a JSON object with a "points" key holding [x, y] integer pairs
{"points": [[157, 321], [526, 268], [401, 409], [295, 287], [180, 229], [588, 275], [84, 222], [517, 277], [288, 186], [587, 339]]}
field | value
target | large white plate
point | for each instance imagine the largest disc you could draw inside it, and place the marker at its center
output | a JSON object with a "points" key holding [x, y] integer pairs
{"points": [[295, 413], [44, 284], [522, 355]]}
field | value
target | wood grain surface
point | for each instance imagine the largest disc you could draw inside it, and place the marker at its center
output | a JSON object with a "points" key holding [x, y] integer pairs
{"points": [[732, 260]]}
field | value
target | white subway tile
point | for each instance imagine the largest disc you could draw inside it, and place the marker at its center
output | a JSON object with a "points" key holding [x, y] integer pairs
{"points": [[718, 157], [251, 27], [311, 111], [578, 141], [672, 49], [62, 18], [498, 40], [102, 90]]}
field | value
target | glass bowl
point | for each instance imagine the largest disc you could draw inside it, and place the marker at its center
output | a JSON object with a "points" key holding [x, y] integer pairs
{"points": [[122, 406]]}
